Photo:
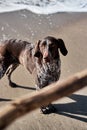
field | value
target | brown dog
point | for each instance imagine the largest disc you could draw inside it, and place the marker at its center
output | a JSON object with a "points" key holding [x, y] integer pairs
{"points": [[48, 63], [13, 53], [44, 56]]}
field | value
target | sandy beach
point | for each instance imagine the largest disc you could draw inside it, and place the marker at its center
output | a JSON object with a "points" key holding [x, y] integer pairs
{"points": [[72, 28]]}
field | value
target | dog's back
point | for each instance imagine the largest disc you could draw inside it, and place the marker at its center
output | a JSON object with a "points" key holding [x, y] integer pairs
{"points": [[13, 47], [12, 53]]}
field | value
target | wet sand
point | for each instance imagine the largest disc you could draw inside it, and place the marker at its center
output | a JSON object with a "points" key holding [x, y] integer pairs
{"points": [[72, 28]]}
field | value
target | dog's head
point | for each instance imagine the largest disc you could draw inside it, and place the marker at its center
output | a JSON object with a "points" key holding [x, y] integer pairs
{"points": [[47, 49]]}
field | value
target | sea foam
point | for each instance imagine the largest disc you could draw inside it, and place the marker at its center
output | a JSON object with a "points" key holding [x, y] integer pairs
{"points": [[44, 6]]}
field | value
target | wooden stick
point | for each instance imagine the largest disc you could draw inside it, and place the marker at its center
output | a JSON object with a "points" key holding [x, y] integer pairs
{"points": [[53, 92]]}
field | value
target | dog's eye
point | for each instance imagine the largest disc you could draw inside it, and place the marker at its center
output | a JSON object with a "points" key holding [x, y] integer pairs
{"points": [[52, 46], [44, 44]]}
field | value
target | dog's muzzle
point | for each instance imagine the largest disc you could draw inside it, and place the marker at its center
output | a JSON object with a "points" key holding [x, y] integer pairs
{"points": [[46, 56]]}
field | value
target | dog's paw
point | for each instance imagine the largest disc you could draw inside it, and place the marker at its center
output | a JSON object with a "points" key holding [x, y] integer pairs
{"points": [[48, 109]]}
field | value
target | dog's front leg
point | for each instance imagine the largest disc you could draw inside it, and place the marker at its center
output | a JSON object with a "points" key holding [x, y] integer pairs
{"points": [[46, 109]]}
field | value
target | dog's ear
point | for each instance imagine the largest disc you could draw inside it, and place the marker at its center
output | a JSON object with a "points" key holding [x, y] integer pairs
{"points": [[62, 47], [37, 49]]}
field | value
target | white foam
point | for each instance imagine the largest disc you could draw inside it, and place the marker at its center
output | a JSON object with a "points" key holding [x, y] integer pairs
{"points": [[45, 6]]}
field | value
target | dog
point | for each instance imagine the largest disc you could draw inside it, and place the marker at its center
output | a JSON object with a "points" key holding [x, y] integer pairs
{"points": [[44, 57], [48, 64], [14, 52]]}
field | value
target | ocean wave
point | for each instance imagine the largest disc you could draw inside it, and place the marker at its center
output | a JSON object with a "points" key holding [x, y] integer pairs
{"points": [[44, 6]]}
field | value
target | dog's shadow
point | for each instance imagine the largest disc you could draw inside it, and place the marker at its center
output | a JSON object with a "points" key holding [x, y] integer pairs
{"points": [[5, 100], [24, 87], [76, 110], [14, 85]]}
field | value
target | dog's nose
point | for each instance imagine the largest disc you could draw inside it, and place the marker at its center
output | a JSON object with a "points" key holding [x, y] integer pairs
{"points": [[45, 55]]}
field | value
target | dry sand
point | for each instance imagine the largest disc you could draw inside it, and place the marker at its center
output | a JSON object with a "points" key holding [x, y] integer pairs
{"points": [[72, 28]]}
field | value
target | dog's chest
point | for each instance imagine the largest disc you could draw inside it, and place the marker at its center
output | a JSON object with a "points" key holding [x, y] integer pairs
{"points": [[48, 73]]}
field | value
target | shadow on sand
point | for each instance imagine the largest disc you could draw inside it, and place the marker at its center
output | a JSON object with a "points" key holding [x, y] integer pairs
{"points": [[17, 86], [5, 100], [14, 85], [76, 110], [25, 87]]}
